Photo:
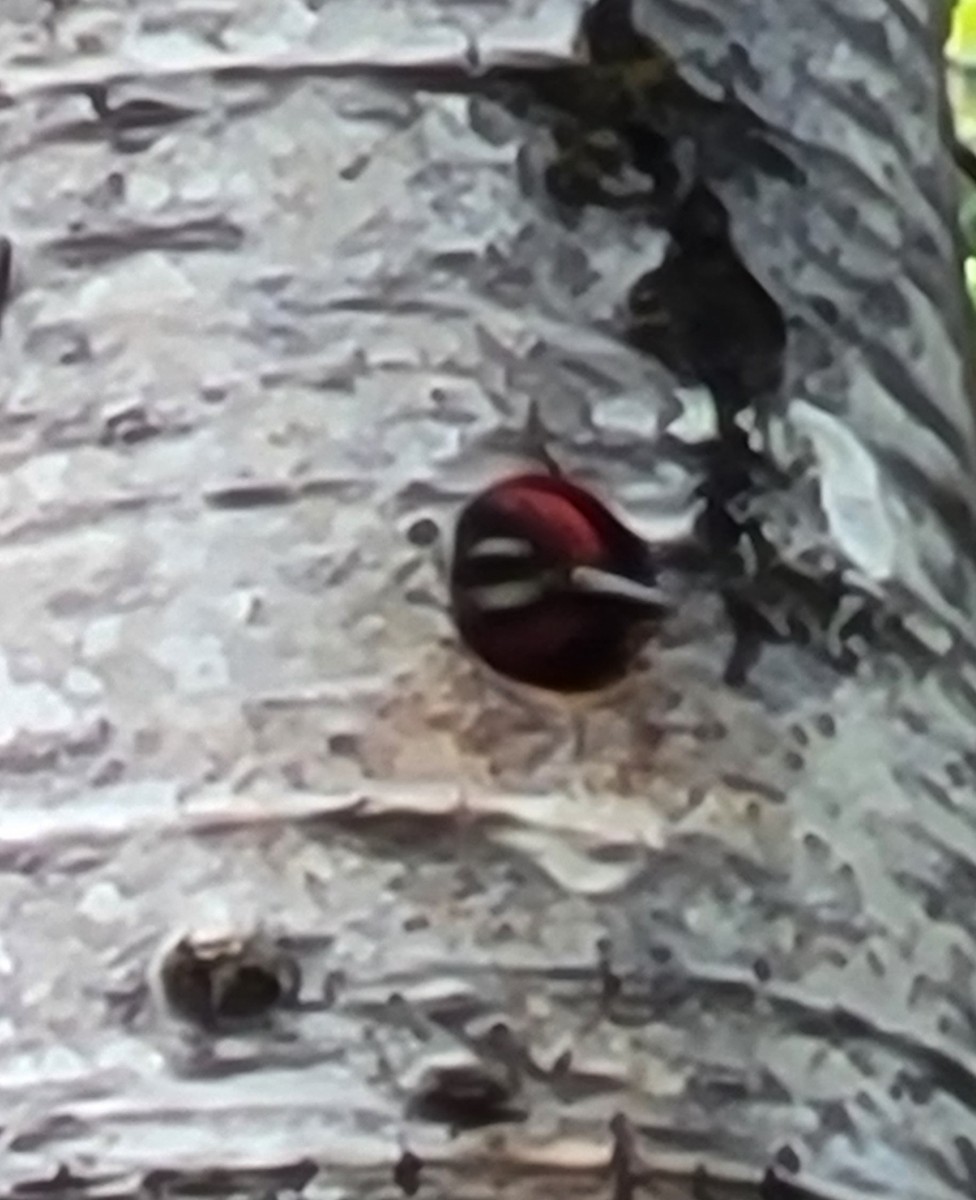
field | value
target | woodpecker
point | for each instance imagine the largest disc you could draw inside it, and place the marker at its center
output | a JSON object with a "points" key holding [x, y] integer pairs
{"points": [[548, 587]]}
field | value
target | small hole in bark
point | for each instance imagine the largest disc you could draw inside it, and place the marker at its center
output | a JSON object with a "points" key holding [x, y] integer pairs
{"points": [[227, 981], [464, 1097], [423, 532], [345, 745], [406, 1173], [826, 725], [788, 1159]]}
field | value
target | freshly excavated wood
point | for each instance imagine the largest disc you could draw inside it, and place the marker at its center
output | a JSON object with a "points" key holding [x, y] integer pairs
{"points": [[287, 280]]}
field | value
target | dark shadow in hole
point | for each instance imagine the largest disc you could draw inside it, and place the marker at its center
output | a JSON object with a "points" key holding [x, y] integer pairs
{"points": [[465, 1097]]}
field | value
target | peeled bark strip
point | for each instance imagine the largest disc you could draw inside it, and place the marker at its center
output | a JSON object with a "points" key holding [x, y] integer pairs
{"points": [[288, 280]]}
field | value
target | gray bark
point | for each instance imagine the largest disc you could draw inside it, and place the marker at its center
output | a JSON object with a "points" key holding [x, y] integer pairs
{"points": [[692, 935]]}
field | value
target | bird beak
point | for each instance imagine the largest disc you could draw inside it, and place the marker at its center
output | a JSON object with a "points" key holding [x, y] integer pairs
{"points": [[605, 583]]}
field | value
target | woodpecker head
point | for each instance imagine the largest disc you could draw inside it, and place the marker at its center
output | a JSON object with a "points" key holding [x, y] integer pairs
{"points": [[548, 587]]}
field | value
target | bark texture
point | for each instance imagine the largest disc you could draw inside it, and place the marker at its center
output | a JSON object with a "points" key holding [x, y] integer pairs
{"points": [[287, 280]]}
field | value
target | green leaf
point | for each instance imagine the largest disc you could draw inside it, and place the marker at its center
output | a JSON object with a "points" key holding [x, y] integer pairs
{"points": [[962, 36]]}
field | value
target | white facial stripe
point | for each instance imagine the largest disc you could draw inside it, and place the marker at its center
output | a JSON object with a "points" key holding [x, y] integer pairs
{"points": [[499, 597], [500, 547], [605, 583]]}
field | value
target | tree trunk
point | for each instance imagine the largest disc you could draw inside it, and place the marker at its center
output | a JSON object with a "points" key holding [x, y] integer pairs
{"points": [[288, 281]]}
